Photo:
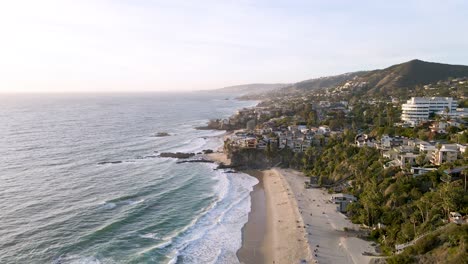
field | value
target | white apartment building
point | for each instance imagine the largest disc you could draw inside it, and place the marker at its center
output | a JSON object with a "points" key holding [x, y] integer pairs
{"points": [[417, 109], [448, 153]]}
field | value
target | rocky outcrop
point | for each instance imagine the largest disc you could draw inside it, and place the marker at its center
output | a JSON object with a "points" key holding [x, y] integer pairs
{"points": [[251, 159], [161, 134], [195, 161], [110, 162], [177, 155]]}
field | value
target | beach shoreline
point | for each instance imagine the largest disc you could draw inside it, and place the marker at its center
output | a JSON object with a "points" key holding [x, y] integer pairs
{"points": [[275, 231], [290, 224], [253, 232]]}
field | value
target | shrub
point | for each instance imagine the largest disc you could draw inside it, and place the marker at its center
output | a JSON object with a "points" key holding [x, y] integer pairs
{"points": [[401, 259]]}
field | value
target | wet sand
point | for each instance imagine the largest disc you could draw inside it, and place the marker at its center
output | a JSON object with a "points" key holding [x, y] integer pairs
{"points": [[275, 231], [253, 232]]}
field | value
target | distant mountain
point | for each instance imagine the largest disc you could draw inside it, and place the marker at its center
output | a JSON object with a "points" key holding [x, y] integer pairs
{"points": [[407, 75], [397, 80], [318, 83], [251, 88]]}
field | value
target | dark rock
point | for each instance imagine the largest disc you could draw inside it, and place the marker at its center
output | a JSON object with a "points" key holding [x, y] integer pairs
{"points": [[162, 134], [177, 155], [109, 162], [207, 151], [195, 161]]}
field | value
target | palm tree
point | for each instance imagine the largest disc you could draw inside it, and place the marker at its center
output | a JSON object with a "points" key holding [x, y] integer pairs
{"points": [[465, 173], [446, 111]]}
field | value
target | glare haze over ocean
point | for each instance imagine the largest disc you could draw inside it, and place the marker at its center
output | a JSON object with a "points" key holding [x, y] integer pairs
{"points": [[59, 205]]}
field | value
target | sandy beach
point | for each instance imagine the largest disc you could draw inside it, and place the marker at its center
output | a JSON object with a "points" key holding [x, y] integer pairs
{"points": [[291, 224], [275, 232], [285, 238], [325, 225], [253, 233]]}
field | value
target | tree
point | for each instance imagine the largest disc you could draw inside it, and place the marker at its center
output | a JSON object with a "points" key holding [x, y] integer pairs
{"points": [[450, 197], [312, 118], [446, 111], [465, 173], [421, 159]]}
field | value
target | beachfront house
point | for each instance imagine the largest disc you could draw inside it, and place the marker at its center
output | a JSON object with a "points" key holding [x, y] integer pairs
{"points": [[456, 217], [342, 199], [418, 171]]}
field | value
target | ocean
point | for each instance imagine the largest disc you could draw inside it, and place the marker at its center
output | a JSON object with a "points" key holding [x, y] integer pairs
{"points": [[80, 180]]}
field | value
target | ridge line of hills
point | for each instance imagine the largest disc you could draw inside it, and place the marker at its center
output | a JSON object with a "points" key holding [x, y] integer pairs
{"points": [[399, 79]]}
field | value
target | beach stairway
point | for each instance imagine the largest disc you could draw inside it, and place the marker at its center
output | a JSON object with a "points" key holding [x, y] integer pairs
{"points": [[400, 247]]}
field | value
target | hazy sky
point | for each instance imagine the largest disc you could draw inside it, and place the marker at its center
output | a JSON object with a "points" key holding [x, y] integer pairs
{"points": [[151, 45]]}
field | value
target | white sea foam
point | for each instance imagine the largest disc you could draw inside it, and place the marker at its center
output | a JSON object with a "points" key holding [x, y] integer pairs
{"points": [[133, 202], [109, 206], [150, 236], [216, 237], [203, 139], [163, 244], [76, 259]]}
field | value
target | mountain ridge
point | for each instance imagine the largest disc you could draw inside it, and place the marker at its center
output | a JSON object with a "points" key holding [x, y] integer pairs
{"points": [[396, 80], [251, 88]]}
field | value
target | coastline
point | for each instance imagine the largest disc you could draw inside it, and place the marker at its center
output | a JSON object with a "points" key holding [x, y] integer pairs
{"points": [[275, 231], [253, 232], [290, 224], [326, 226]]}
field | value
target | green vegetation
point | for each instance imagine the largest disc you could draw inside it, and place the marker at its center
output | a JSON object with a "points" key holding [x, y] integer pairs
{"points": [[402, 205], [407, 206], [448, 245]]}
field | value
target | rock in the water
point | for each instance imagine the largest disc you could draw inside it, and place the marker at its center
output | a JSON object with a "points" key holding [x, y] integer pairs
{"points": [[195, 161], [177, 155], [162, 134], [109, 162], [207, 151]]}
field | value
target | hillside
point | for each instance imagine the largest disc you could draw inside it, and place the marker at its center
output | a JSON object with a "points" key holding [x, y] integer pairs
{"points": [[399, 80], [322, 82], [251, 88], [410, 74]]}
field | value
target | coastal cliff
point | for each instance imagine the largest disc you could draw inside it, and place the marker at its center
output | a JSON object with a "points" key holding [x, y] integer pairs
{"points": [[253, 159]]}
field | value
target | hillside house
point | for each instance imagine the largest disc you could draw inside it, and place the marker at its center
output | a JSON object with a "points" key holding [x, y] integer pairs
{"points": [[444, 154]]}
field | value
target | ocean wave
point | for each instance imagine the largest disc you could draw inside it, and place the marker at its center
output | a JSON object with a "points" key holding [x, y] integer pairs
{"points": [[178, 236], [216, 236], [109, 205], [160, 245], [196, 141], [76, 259], [191, 145], [150, 236]]}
